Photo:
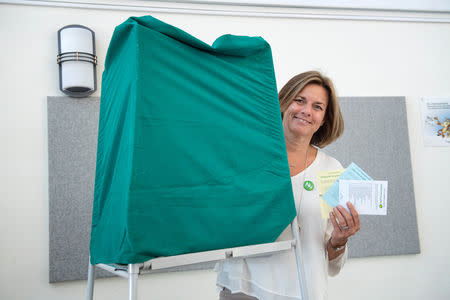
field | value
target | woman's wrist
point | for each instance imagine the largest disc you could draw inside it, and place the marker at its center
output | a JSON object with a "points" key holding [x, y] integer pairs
{"points": [[336, 246]]}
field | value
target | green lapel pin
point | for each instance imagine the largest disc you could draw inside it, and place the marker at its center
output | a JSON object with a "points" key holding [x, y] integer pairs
{"points": [[308, 185]]}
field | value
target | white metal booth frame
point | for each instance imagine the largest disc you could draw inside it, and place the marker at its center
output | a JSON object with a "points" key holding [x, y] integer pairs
{"points": [[132, 271]]}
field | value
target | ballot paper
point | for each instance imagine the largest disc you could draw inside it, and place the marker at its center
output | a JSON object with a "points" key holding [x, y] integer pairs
{"points": [[325, 180], [368, 197], [353, 172]]}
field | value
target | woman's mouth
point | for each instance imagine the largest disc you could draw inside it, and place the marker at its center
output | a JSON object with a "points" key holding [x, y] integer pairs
{"points": [[302, 120]]}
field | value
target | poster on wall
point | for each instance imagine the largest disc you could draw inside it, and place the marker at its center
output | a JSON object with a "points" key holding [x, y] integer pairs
{"points": [[436, 121]]}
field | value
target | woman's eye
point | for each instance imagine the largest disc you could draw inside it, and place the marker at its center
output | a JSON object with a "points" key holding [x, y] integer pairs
{"points": [[299, 100], [319, 107]]}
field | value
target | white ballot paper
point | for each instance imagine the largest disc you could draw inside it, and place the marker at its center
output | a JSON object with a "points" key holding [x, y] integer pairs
{"points": [[368, 197]]}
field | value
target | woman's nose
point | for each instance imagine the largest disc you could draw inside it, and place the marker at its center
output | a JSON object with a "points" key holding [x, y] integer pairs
{"points": [[306, 110]]}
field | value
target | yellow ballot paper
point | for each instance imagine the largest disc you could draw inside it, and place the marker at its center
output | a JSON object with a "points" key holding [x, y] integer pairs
{"points": [[325, 180]]}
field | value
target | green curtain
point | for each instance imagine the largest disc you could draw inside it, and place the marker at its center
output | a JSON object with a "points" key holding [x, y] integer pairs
{"points": [[191, 154]]}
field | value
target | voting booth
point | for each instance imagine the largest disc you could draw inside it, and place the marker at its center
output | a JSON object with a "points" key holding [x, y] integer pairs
{"points": [[191, 154]]}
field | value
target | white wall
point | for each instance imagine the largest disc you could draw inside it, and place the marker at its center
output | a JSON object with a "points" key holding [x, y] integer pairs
{"points": [[365, 58]]}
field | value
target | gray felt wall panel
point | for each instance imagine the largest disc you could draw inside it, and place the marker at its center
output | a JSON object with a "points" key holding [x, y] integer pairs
{"points": [[375, 137], [72, 146]]}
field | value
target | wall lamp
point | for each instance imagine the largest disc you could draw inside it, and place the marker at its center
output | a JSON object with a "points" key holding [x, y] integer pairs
{"points": [[77, 61]]}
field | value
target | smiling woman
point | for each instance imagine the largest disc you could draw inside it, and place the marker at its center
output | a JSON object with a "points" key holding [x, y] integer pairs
{"points": [[311, 119], [306, 113], [333, 123]]}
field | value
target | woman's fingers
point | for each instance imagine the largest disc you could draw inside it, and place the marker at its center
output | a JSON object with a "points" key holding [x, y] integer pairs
{"points": [[348, 218], [338, 236], [345, 224], [339, 216], [336, 226], [355, 215]]}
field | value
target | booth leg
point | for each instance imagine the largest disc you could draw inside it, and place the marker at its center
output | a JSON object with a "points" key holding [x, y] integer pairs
{"points": [[90, 282], [133, 272], [300, 267]]}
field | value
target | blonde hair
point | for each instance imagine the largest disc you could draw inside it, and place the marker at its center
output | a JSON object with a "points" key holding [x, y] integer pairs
{"points": [[333, 125]]}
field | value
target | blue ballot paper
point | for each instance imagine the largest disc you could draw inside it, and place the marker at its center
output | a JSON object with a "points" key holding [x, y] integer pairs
{"points": [[353, 172]]}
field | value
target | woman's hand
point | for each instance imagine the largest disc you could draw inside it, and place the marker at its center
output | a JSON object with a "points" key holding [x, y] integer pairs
{"points": [[344, 225]]}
